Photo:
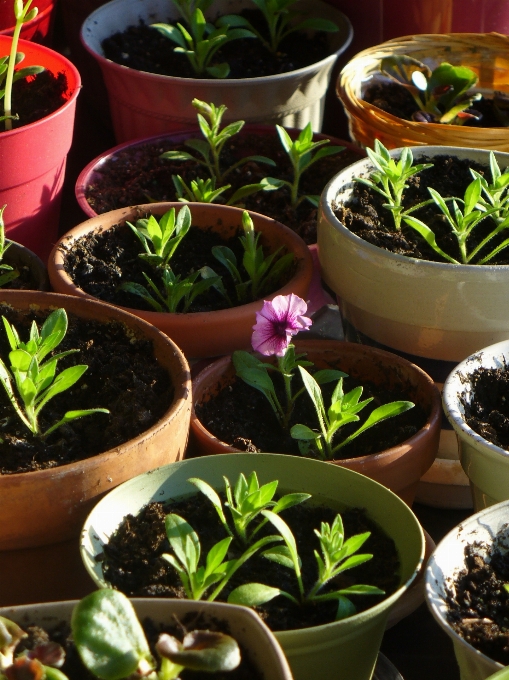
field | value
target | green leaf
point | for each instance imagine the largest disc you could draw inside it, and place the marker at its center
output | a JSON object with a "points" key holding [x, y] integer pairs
{"points": [[428, 236], [328, 375], [289, 500], [360, 589], [281, 555], [345, 608], [304, 432], [216, 555], [184, 541], [74, 415], [62, 382], [253, 594], [201, 650]]}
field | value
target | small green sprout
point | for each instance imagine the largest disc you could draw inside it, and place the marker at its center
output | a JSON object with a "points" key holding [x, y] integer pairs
{"points": [[160, 239], [36, 380], [441, 95], [112, 644], [343, 410], [187, 8], [496, 194], [9, 272], [247, 500], [204, 191]]}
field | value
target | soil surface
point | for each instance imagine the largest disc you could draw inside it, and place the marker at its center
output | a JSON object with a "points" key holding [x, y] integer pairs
{"points": [[25, 279], [397, 101], [123, 376], [479, 603], [242, 417], [139, 175], [363, 213], [37, 96], [488, 412], [145, 49], [99, 263], [132, 559], [74, 669]]}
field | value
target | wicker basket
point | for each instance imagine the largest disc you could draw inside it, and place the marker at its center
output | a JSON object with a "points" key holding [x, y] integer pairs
{"points": [[485, 53]]}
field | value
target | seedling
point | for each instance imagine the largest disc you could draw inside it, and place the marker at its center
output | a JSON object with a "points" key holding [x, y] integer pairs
{"points": [[188, 7], [247, 500], [279, 16], [161, 239], [441, 95], [300, 152], [204, 191], [112, 644], [36, 380], [9, 272], [494, 195], [343, 410], [209, 149]]}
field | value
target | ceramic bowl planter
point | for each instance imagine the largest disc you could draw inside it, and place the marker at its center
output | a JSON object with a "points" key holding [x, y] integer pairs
{"points": [[398, 468], [486, 464], [33, 158], [244, 625], [343, 650], [145, 103], [47, 506], [481, 52], [198, 334], [444, 566], [433, 313]]}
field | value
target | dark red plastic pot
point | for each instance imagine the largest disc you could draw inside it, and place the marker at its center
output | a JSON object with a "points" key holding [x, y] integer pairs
{"points": [[33, 157], [38, 30]]}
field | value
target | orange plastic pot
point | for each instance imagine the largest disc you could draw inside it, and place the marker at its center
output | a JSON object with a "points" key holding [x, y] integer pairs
{"points": [[198, 334], [398, 468], [49, 506]]}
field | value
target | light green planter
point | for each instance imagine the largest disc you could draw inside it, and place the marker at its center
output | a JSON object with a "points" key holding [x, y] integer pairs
{"points": [[501, 675], [342, 650], [486, 464]]}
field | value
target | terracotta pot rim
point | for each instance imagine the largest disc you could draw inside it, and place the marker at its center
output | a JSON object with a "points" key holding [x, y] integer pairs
{"points": [[301, 344], [180, 390]]}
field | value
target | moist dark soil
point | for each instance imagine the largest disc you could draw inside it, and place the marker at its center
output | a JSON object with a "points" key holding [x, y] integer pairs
{"points": [[123, 376], [132, 559], [139, 175], [478, 602], [37, 96], [397, 101], [363, 213], [99, 263], [242, 417], [25, 281], [145, 49], [75, 670], [488, 411]]}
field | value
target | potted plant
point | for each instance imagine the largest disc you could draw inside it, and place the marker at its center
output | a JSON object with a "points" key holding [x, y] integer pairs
{"points": [[164, 102], [20, 268], [201, 333], [332, 648], [428, 311], [478, 421], [476, 52], [67, 470], [469, 552], [244, 637]]}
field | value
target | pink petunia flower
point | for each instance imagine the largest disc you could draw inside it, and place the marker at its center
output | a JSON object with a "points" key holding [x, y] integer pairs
{"points": [[277, 322]]}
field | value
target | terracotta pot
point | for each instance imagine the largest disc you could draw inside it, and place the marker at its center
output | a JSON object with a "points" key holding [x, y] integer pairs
{"points": [[398, 468], [48, 506], [198, 334], [19, 256]]}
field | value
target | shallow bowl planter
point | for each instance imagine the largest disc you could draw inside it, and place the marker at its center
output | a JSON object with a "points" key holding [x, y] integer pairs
{"points": [[486, 464], [445, 563], [398, 468], [433, 313], [48, 506], [198, 334], [483, 53], [146, 103], [342, 650], [244, 625]]}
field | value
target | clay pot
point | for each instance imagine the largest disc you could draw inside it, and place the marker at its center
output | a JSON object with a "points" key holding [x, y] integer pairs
{"points": [[398, 468], [198, 334], [48, 506], [19, 256]]}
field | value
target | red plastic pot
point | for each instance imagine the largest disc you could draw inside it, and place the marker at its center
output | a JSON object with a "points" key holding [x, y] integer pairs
{"points": [[38, 30], [33, 158]]}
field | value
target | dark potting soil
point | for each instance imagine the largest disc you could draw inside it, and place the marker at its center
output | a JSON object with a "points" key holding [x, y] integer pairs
{"points": [[75, 670], [123, 376], [132, 559], [397, 101], [25, 281], [488, 411], [99, 263], [363, 213], [242, 417], [145, 49], [139, 175], [478, 603], [37, 96]]}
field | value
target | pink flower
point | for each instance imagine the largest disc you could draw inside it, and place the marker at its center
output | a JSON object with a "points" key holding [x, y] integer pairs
{"points": [[277, 322]]}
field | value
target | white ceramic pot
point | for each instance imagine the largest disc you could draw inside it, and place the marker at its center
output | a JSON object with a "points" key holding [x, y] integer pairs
{"points": [[431, 313], [486, 464], [145, 104], [445, 563]]}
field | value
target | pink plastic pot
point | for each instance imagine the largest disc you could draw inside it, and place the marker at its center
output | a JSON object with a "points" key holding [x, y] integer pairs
{"points": [[33, 157], [38, 30]]}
